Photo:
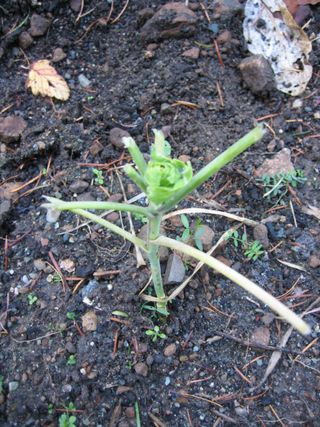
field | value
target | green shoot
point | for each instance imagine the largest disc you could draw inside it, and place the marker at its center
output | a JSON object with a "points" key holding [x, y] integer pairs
{"points": [[56, 278], [191, 232], [137, 414], [155, 334], [71, 315], [140, 217], [277, 186], [50, 409], [66, 420], [251, 250], [32, 299], [166, 181], [254, 250], [99, 179], [72, 360]]}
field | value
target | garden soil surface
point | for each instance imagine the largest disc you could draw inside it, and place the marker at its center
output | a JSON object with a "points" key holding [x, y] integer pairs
{"points": [[74, 343]]}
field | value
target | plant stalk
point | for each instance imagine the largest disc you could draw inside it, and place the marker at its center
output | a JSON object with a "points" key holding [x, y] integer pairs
{"points": [[240, 280], [124, 207], [154, 260], [118, 230], [213, 167]]}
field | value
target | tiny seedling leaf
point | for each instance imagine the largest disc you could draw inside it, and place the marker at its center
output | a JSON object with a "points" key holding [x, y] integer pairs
{"points": [[120, 313], [185, 221]]}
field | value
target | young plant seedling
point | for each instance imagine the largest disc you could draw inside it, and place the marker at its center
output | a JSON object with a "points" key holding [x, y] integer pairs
{"points": [[254, 250], [191, 232], [71, 315], [251, 250], [155, 334], [98, 180], [66, 420], [166, 181], [32, 299], [72, 360], [277, 186]]}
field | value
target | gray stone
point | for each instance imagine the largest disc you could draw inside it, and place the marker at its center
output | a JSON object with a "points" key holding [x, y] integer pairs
{"points": [[90, 290], [78, 186], [13, 385], [166, 108], [66, 388], [25, 40], [39, 264], [280, 163], [173, 20], [59, 55], [227, 8], [75, 5], [116, 135], [5, 207], [175, 270], [38, 25], [192, 53], [11, 128], [260, 233], [83, 81], [206, 237], [170, 350], [86, 197], [71, 347], [257, 74]]}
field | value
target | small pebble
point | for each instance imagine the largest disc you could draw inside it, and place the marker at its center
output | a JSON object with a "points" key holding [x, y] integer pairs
{"points": [[84, 81], [167, 381]]}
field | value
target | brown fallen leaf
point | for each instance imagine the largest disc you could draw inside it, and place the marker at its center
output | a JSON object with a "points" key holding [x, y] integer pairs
{"points": [[44, 80]]}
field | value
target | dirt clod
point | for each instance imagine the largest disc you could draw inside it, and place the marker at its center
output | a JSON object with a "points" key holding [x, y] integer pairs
{"points": [[173, 20], [11, 128], [38, 25], [280, 163]]}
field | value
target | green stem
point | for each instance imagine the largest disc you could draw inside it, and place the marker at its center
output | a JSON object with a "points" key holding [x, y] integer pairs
{"points": [[154, 260], [136, 154], [118, 230], [213, 167], [66, 206], [240, 280]]}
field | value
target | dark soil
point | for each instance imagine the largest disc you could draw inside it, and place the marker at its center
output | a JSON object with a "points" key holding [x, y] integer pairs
{"points": [[117, 366]]}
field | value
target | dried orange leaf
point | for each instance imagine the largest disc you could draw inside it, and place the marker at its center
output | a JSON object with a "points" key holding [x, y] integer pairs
{"points": [[45, 81]]}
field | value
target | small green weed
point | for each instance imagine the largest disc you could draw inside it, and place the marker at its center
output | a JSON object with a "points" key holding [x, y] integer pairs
{"points": [[191, 232], [251, 250], [277, 186], [140, 217], [99, 179], [254, 250], [155, 334], [1, 383], [72, 360], [71, 315], [56, 278], [32, 299], [50, 409], [66, 420]]}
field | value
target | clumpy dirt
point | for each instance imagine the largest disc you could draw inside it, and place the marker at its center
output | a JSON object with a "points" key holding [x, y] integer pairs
{"points": [[198, 375]]}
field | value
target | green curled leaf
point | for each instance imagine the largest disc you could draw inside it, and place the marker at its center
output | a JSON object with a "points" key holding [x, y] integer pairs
{"points": [[165, 176]]}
